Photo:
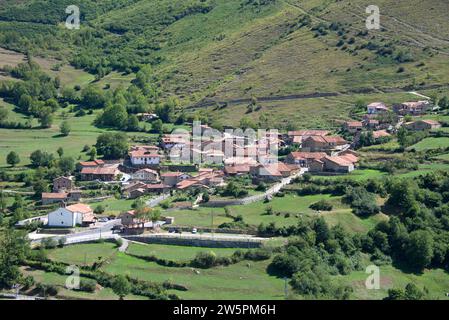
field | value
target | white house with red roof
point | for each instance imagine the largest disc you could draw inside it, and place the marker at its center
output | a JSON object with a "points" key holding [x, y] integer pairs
{"points": [[144, 155], [71, 216]]}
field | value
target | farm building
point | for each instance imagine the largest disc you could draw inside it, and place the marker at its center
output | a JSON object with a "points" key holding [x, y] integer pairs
{"points": [[414, 108], [146, 174], [62, 184], [100, 173], [339, 164], [323, 143], [352, 126], [58, 197], [421, 125], [172, 178], [145, 155], [377, 108], [304, 158]]}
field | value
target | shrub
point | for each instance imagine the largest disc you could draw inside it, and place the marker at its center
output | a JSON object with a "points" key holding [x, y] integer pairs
{"points": [[49, 243], [204, 260], [99, 209], [47, 290], [62, 241], [258, 254], [362, 202], [87, 285], [322, 205]]}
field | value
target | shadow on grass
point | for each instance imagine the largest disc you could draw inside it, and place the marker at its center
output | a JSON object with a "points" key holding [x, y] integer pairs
{"points": [[272, 271], [60, 135], [406, 268]]}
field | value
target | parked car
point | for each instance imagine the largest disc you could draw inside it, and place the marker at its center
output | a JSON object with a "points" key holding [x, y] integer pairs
{"points": [[173, 230], [194, 231], [118, 228], [103, 219]]}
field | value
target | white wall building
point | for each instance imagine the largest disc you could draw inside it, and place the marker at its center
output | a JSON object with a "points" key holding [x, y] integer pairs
{"points": [[71, 216], [144, 156]]}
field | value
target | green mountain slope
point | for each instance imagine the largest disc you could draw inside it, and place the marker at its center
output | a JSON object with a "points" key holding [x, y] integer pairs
{"points": [[220, 50]]}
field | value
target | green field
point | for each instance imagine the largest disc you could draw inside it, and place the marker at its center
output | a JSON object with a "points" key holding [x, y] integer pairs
{"points": [[290, 208], [83, 254], [431, 143], [174, 253], [114, 206], [24, 142], [358, 174], [435, 280], [237, 282], [283, 64], [241, 281], [59, 281], [425, 168], [444, 157]]}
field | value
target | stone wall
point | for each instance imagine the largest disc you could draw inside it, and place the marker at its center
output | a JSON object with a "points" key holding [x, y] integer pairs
{"points": [[196, 242]]}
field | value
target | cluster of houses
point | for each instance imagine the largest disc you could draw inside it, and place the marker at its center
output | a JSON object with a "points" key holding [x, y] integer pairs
{"points": [[149, 168], [64, 190], [383, 120]]}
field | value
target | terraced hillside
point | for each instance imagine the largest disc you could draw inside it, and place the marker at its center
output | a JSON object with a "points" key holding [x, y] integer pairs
{"points": [[208, 51]]}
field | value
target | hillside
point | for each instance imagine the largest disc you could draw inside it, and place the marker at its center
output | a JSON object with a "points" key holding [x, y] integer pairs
{"points": [[208, 51]]}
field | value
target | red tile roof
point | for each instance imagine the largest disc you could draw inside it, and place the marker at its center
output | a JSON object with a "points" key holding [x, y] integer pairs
{"points": [[308, 133], [171, 174], [349, 157], [353, 124], [380, 133], [79, 207], [341, 161], [100, 171], [93, 163], [378, 105], [242, 168], [143, 153], [308, 155], [186, 183], [330, 139], [431, 122], [157, 186], [55, 195]]}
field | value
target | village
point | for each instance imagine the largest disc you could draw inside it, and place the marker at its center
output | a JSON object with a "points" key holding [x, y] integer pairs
{"points": [[200, 164]]}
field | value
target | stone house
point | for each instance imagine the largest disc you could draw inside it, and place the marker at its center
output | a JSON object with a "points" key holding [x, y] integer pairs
{"points": [[63, 184]]}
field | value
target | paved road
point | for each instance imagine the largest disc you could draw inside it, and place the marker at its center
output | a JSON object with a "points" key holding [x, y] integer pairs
{"points": [[155, 201], [274, 189], [124, 245], [18, 297]]}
